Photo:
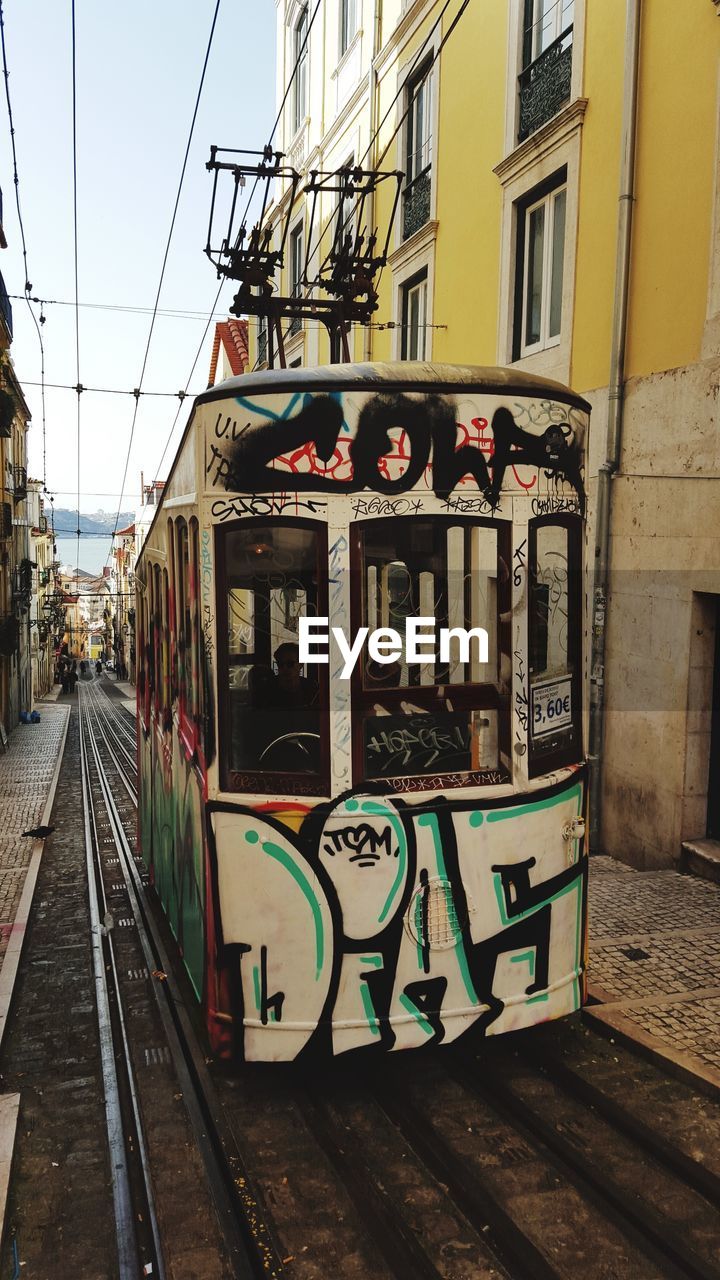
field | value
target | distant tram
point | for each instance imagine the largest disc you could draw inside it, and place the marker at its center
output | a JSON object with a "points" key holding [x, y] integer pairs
{"points": [[380, 861]]}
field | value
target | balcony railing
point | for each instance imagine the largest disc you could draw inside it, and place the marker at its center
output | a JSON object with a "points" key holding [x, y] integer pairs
{"points": [[416, 203], [545, 85], [20, 478], [5, 308]]}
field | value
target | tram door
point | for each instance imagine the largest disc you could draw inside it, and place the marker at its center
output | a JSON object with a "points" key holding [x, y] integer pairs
{"points": [[713, 813]]}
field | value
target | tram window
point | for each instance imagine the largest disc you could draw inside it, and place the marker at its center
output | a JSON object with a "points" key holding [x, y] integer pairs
{"points": [[271, 575], [554, 642], [449, 712]]}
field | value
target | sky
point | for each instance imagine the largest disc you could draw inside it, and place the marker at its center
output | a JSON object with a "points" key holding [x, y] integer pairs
{"points": [[138, 68]]}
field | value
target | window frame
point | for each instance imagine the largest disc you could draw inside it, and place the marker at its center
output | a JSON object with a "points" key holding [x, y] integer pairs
{"points": [[406, 289], [295, 238], [465, 697], [417, 160], [300, 85], [256, 782], [347, 25], [531, 37], [546, 761], [542, 195]]}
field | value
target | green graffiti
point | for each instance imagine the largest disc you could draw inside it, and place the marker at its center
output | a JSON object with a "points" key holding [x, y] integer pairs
{"points": [[301, 880]]}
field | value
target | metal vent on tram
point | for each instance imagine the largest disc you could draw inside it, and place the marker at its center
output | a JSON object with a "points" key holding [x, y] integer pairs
{"points": [[432, 919]]}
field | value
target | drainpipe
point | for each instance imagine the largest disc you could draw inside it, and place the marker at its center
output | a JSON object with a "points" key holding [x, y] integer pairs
{"points": [[373, 91], [616, 390]]}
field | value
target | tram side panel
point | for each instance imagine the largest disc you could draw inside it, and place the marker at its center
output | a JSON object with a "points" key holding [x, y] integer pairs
{"points": [[401, 913], [176, 738]]}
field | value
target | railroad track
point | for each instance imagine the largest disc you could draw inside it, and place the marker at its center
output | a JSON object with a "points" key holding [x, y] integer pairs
{"points": [[542, 1156]]}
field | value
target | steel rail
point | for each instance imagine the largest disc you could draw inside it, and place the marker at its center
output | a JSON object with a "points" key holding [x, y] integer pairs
{"points": [[241, 1216], [131, 790], [114, 1055], [102, 702]]}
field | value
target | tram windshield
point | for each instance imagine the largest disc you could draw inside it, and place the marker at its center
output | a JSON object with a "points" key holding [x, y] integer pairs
{"points": [[447, 712], [271, 576]]}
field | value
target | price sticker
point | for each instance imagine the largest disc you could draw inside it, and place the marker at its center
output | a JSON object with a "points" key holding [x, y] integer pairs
{"points": [[551, 703]]}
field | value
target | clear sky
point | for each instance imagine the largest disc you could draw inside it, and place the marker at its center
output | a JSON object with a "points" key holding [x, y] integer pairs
{"points": [[138, 70]]}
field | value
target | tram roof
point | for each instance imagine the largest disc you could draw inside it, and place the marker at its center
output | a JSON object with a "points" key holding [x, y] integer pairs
{"points": [[402, 375]]}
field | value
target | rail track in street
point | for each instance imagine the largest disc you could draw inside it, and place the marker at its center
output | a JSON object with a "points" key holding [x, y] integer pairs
{"points": [[539, 1156]]}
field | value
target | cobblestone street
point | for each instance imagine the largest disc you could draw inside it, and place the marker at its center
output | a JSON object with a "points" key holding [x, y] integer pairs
{"points": [[26, 773]]}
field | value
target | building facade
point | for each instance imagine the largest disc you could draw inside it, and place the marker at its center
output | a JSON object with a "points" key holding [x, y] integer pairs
{"points": [[122, 588], [560, 213], [41, 555]]}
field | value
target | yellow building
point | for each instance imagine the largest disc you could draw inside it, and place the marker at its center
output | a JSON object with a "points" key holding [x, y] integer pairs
{"points": [[560, 212]]}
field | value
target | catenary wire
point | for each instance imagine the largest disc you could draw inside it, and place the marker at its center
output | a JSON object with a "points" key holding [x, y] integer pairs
{"points": [[75, 249], [352, 213], [167, 251], [28, 285], [278, 117]]}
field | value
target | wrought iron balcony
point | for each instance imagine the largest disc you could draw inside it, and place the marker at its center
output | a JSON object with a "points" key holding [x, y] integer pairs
{"points": [[416, 203], [20, 477], [545, 85], [6, 309]]}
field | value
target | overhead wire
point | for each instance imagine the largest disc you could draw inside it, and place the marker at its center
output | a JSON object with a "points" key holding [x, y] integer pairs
{"points": [[165, 257], [401, 89], [182, 313], [75, 244], [28, 285], [106, 391], [278, 118]]}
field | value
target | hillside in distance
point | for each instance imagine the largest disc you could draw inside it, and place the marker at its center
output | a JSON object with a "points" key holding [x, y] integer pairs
{"points": [[101, 522]]}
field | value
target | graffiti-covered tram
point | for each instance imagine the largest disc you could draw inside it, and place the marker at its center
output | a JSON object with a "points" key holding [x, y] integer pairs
{"points": [[361, 706]]}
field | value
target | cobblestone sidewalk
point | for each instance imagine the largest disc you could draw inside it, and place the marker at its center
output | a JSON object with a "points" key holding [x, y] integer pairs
{"points": [[26, 772], [655, 955]]}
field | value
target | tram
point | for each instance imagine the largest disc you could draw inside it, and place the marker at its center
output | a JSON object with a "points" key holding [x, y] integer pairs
{"points": [[377, 856]]}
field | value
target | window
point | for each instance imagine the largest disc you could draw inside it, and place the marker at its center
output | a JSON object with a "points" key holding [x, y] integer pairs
{"points": [[262, 340], [545, 80], [428, 718], [540, 259], [345, 208], [414, 317], [296, 272], [300, 59], [418, 155], [348, 24], [275, 716], [554, 642]]}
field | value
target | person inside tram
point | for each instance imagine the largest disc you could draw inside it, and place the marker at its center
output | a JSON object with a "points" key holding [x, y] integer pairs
{"points": [[292, 689]]}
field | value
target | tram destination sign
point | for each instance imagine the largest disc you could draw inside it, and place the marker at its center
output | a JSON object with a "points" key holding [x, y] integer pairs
{"points": [[551, 706]]}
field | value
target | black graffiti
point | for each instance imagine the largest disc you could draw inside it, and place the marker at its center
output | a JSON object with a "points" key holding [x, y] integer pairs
{"points": [[365, 841], [387, 506], [428, 424], [551, 504], [520, 895], [224, 508], [463, 506], [229, 429], [268, 1004], [428, 996], [519, 555]]}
